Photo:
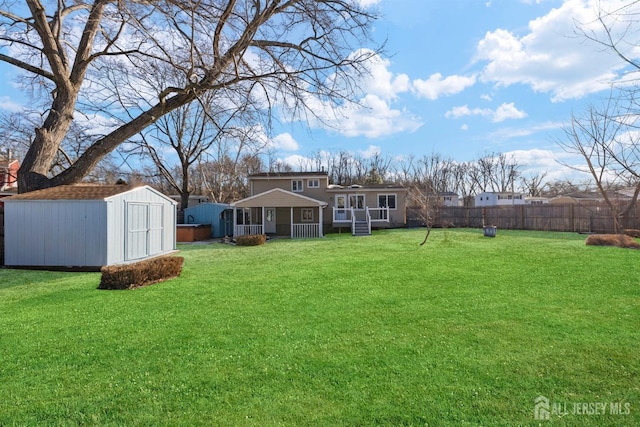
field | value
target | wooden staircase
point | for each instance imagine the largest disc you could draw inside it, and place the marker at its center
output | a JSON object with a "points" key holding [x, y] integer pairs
{"points": [[361, 228]]}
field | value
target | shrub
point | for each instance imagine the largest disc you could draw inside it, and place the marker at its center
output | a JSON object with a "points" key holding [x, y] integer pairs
{"points": [[143, 273], [619, 240], [251, 240], [632, 232]]}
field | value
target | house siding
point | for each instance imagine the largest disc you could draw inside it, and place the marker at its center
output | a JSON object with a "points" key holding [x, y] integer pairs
{"points": [[397, 216], [262, 194], [260, 185]]}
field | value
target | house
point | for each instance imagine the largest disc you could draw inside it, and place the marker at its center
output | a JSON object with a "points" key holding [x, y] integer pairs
{"points": [[590, 198], [8, 173], [499, 199], [624, 195], [88, 226], [304, 204], [536, 200], [449, 198]]}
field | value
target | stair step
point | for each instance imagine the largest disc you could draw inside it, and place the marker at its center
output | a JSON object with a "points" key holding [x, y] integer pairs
{"points": [[361, 228]]}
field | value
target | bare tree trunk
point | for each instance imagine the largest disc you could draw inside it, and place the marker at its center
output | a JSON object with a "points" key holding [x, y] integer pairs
{"points": [[33, 172], [427, 235]]}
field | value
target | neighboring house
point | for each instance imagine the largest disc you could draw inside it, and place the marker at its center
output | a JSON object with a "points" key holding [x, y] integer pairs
{"points": [[449, 198], [624, 195], [8, 174], [499, 199], [88, 226], [578, 197], [304, 204], [536, 200]]}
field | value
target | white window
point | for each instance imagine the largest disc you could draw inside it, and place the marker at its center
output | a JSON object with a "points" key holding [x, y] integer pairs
{"points": [[313, 183], [387, 201], [296, 186], [356, 201], [307, 215]]}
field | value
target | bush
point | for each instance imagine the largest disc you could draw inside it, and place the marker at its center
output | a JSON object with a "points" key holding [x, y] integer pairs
{"points": [[251, 240], [143, 273], [619, 240], [632, 232]]}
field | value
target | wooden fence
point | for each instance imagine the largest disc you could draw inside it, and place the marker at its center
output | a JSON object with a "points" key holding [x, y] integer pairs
{"points": [[550, 217]]}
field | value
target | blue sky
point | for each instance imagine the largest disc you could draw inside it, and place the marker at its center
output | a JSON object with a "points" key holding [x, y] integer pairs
{"points": [[464, 78]]}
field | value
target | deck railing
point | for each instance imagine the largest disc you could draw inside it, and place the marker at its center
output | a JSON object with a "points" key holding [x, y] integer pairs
{"points": [[350, 215], [379, 214], [306, 231], [342, 214], [244, 230]]}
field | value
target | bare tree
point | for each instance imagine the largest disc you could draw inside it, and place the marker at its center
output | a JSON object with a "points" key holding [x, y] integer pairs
{"points": [[197, 128], [93, 52], [223, 177], [603, 139], [533, 185]]}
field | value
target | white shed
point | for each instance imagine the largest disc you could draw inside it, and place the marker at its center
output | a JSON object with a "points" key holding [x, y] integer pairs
{"points": [[88, 226]]}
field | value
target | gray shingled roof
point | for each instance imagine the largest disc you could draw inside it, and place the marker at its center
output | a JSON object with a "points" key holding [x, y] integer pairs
{"points": [[73, 192]]}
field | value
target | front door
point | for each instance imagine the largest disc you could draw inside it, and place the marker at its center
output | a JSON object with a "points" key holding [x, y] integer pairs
{"points": [[270, 220]]}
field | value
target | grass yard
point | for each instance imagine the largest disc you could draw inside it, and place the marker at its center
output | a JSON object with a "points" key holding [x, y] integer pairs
{"points": [[464, 331]]}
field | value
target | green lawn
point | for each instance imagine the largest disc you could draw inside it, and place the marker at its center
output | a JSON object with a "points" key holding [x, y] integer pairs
{"points": [[463, 331]]}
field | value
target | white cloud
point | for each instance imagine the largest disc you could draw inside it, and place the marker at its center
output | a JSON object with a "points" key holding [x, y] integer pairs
{"points": [[373, 115], [96, 124], [436, 86], [371, 151], [296, 160], [552, 163], [508, 111], [551, 57], [285, 142], [8, 105], [378, 80], [367, 3], [502, 113], [506, 134]]}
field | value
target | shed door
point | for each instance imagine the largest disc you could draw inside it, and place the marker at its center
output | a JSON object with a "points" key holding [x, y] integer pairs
{"points": [[156, 230], [145, 230], [137, 241]]}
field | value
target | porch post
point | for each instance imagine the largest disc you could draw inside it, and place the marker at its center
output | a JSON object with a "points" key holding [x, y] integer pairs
{"points": [[263, 230], [291, 222], [235, 221], [320, 221]]}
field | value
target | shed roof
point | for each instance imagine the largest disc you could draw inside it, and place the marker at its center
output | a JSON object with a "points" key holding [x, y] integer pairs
{"points": [[74, 192]]}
